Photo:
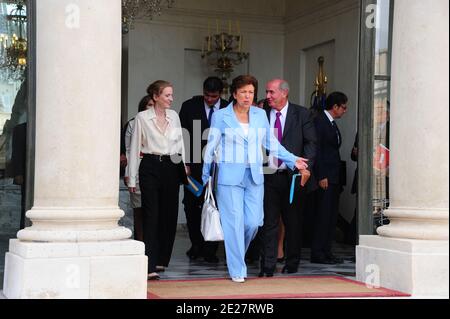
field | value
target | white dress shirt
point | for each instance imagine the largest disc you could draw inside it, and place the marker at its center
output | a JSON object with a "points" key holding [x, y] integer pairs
{"points": [[148, 138], [273, 162], [332, 121], [207, 108], [329, 116], [245, 128]]}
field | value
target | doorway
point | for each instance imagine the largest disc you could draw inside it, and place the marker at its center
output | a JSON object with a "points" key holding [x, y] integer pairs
{"points": [[373, 114], [278, 47]]}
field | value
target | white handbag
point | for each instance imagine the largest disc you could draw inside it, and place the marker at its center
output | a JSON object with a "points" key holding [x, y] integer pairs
{"points": [[210, 227]]}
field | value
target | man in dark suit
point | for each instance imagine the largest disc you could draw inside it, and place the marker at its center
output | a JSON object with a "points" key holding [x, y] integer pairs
{"points": [[295, 130], [195, 116], [328, 171]]}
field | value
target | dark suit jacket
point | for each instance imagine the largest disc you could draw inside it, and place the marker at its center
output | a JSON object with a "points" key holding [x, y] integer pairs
{"points": [[328, 160], [299, 136], [354, 158], [18, 156], [194, 110]]}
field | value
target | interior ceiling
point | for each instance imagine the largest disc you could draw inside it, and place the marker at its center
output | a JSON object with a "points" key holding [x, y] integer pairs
{"points": [[273, 8]]}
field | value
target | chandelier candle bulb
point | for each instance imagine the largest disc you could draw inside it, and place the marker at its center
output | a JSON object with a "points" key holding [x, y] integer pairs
{"points": [[135, 9]]}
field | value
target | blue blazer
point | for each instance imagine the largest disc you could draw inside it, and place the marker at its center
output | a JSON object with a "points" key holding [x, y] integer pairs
{"points": [[235, 152]]}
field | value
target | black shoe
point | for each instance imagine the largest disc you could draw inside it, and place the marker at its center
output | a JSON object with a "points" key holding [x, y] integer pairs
{"points": [[322, 260], [337, 260], [160, 268], [289, 270], [266, 272], [153, 276], [281, 260], [193, 253], [212, 259]]}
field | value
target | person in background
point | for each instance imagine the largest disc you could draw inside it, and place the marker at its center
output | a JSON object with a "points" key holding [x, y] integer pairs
{"points": [[18, 161], [350, 236], [158, 136], [238, 133], [294, 128], [135, 198], [329, 174]]}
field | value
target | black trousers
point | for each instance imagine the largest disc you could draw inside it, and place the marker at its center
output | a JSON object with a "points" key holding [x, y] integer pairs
{"points": [[308, 218], [276, 201], [22, 205], [325, 221], [193, 210], [160, 186]]}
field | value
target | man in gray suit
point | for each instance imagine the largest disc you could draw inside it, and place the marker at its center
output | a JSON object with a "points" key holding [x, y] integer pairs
{"points": [[295, 130]]}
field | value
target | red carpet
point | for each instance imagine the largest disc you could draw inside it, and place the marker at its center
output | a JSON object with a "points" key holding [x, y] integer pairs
{"points": [[266, 288]]}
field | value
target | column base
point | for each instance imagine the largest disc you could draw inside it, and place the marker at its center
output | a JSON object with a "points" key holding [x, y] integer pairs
{"points": [[416, 267], [97, 270]]}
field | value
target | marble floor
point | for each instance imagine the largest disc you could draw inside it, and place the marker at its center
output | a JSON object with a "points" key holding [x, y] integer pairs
{"points": [[182, 268]]}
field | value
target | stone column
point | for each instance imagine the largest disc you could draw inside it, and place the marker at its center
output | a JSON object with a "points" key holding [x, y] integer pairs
{"points": [[75, 247], [411, 254]]}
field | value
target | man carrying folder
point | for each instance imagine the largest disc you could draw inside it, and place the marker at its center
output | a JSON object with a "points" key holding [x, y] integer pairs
{"points": [[195, 116]]}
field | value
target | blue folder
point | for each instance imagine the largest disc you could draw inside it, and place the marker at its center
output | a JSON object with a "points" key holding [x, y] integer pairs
{"points": [[194, 187], [291, 196]]}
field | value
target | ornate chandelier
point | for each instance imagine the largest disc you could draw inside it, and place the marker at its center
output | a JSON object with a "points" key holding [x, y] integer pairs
{"points": [[13, 48], [223, 51], [134, 9]]}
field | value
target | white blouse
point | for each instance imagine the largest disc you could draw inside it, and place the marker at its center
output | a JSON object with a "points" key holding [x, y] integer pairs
{"points": [[245, 128], [148, 138], [128, 135]]}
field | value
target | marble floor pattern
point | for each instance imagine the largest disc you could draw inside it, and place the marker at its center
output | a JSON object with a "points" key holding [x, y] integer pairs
{"points": [[182, 268]]}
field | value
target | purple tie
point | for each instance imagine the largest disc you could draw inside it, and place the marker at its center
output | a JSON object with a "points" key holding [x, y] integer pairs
{"points": [[279, 133]]}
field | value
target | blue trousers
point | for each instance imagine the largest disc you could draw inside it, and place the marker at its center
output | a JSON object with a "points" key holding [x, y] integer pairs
{"points": [[241, 214]]}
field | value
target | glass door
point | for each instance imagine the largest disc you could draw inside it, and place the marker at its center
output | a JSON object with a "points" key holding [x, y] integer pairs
{"points": [[381, 108], [373, 113]]}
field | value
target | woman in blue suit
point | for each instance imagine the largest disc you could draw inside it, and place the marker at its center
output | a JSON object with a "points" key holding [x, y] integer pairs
{"points": [[237, 135]]}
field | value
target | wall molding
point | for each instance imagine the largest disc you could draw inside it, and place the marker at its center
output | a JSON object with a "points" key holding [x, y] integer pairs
{"points": [[198, 19], [255, 23], [324, 11]]}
